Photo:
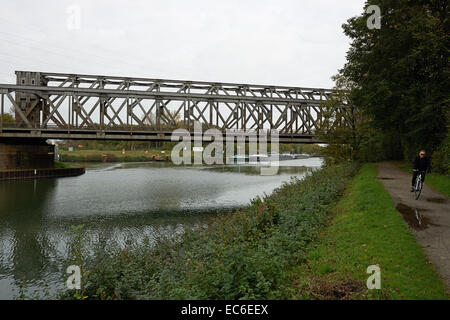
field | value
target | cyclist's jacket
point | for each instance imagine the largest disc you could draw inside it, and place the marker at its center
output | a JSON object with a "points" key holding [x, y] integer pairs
{"points": [[422, 164]]}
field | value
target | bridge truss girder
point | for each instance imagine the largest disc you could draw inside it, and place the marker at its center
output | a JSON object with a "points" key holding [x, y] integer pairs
{"points": [[98, 107]]}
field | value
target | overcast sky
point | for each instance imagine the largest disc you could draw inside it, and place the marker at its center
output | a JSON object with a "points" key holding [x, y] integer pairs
{"points": [[288, 42]]}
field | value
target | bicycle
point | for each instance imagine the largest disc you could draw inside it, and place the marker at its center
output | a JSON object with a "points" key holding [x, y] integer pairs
{"points": [[418, 185]]}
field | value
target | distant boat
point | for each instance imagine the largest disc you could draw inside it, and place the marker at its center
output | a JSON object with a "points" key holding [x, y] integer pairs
{"points": [[280, 157], [305, 155], [286, 156], [301, 156]]}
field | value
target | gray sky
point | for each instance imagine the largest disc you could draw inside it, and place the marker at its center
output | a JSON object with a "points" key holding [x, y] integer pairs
{"points": [[287, 42]]}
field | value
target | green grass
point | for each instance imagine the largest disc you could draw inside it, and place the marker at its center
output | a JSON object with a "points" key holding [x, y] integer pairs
{"points": [[438, 182], [367, 230], [62, 165]]}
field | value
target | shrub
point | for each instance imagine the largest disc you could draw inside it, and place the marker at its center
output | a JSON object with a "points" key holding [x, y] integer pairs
{"points": [[441, 157]]}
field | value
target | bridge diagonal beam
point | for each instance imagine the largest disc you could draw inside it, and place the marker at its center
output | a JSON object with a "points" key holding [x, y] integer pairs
{"points": [[81, 112], [89, 114], [18, 110], [54, 110], [31, 108]]}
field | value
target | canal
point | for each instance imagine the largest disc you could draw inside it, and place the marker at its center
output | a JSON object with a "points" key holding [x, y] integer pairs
{"points": [[118, 203]]}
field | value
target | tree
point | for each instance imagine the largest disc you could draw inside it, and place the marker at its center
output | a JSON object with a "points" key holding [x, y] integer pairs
{"points": [[7, 118], [347, 130], [400, 71]]}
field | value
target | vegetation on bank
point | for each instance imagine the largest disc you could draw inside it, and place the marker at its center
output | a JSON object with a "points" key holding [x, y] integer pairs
{"points": [[366, 230], [155, 147], [439, 182], [144, 155], [62, 165], [108, 145], [111, 156], [245, 254]]}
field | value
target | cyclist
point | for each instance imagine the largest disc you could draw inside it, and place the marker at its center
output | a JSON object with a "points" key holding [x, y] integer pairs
{"points": [[420, 164]]}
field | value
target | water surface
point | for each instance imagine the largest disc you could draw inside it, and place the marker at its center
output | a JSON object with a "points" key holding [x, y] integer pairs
{"points": [[116, 202]]}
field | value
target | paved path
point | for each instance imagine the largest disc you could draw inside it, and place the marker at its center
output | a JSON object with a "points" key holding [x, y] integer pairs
{"points": [[428, 217]]}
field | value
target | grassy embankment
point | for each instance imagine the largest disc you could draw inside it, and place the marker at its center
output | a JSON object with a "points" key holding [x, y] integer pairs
{"points": [[63, 165], [96, 152], [438, 182], [111, 156], [367, 230]]}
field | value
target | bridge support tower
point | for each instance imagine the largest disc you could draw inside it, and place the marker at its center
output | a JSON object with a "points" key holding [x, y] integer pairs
{"points": [[17, 154]]}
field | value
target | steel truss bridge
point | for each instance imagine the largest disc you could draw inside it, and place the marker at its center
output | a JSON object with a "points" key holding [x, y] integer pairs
{"points": [[77, 106]]}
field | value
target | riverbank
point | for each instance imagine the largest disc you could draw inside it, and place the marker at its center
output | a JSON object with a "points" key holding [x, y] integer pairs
{"points": [[366, 230], [245, 254], [113, 156], [160, 154]]}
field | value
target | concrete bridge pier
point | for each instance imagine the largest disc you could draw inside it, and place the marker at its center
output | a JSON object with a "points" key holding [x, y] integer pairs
{"points": [[17, 154]]}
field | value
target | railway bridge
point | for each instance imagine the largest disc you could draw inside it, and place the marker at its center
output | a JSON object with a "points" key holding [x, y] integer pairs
{"points": [[78, 106]]}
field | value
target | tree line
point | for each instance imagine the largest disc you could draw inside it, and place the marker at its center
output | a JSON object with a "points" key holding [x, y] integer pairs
{"points": [[396, 86]]}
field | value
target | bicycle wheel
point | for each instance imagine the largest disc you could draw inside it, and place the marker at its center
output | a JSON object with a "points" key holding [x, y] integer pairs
{"points": [[418, 188]]}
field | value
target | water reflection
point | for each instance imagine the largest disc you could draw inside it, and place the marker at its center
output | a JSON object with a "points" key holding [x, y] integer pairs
{"points": [[25, 251], [120, 202], [414, 217]]}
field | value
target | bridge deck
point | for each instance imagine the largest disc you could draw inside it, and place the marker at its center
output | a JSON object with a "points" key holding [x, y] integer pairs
{"points": [[136, 135]]}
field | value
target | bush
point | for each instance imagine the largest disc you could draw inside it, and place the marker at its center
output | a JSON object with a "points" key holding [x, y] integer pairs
{"points": [[441, 157], [8, 118]]}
